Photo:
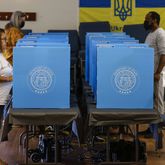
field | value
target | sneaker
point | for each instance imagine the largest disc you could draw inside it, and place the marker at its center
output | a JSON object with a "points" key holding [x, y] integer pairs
{"points": [[147, 133]]}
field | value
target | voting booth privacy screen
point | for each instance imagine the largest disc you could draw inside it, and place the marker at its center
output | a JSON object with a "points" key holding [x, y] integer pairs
{"points": [[42, 73], [122, 82], [116, 71]]}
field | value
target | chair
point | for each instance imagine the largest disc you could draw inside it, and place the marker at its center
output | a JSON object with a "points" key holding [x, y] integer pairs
{"points": [[73, 41], [137, 31], [26, 31], [75, 46], [85, 27]]}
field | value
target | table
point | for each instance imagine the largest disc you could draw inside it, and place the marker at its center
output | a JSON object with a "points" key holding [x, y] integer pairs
{"points": [[55, 117], [111, 117]]}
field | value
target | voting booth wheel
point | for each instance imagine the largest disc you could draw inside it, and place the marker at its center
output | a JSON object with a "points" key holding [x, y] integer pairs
{"points": [[30, 152], [35, 157]]}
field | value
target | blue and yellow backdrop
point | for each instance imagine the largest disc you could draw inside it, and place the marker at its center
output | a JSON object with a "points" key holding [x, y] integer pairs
{"points": [[120, 12]]}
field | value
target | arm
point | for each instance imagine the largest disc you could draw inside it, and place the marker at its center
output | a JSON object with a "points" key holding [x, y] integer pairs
{"points": [[161, 51], [16, 35], [160, 67], [3, 79], [6, 70]]}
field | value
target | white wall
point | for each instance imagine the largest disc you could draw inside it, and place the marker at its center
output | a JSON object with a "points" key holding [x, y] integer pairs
{"points": [[51, 14]]}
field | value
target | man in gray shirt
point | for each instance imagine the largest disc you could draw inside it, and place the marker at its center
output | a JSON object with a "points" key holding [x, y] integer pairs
{"points": [[156, 40]]}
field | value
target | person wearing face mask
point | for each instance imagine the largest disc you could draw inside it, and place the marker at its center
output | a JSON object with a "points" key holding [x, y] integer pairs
{"points": [[13, 33], [156, 40]]}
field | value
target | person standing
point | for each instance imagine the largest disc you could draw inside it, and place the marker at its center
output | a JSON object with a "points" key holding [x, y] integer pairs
{"points": [[6, 74], [156, 40], [13, 33]]}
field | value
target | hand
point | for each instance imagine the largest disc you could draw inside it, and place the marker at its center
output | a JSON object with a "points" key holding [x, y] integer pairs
{"points": [[2, 78], [157, 77]]}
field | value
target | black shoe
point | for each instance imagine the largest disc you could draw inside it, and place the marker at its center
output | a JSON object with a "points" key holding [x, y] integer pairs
{"points": [[99, 139], [5, 138], [147, 133]]}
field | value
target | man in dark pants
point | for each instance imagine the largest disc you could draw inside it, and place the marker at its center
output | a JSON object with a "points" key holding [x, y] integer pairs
{"points": [[156, 40]]}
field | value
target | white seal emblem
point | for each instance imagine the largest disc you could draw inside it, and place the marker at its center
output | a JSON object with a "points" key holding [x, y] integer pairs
{"points": [[41, 79], [125, 79]]}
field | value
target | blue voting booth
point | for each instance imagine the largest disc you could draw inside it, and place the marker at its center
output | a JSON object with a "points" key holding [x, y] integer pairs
{"points": [[63, 39], [92, 54], [123, 78], [103, 39], [41, 74], [44, 82], [102, 35], [114, 71], [93, 66], [44, 39], [40, 43]]}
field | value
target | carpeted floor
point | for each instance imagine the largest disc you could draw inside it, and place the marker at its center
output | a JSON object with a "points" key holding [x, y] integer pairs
{"points": [[3, 163]]}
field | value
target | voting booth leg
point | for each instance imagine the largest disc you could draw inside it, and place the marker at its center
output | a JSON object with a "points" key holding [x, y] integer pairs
{"points": [[27, 144], [157, 134], [56, 147], [23, 134], [56, 143], [136, 143], [108, 148]]}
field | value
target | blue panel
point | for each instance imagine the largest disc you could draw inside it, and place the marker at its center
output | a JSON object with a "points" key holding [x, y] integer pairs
{"points": [[95, 3], [44, 39], [59, 38], [150, 3], [122, 82], [44, 82], [93, 55], [23, 42], [89, 36]]}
